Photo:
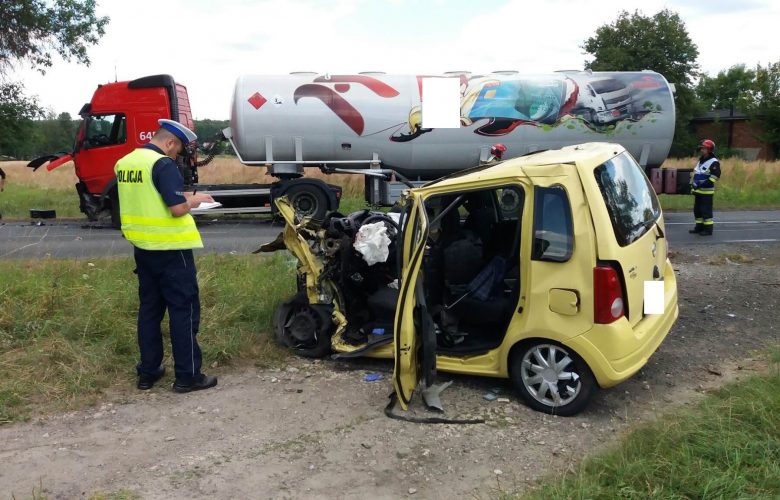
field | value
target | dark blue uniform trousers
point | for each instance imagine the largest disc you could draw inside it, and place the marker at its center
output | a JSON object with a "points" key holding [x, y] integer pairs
{"points": [[167, 280]]}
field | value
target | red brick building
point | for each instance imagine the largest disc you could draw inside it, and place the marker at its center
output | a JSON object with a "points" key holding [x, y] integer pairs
{"points": [[733, 129]]}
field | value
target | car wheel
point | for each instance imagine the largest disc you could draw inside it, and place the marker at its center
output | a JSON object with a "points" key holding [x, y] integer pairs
{"points": [[304, 328], [552, 378]]}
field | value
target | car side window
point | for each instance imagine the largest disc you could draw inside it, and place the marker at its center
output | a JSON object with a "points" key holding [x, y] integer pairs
{"points": [[553, 232], [105, 130]]}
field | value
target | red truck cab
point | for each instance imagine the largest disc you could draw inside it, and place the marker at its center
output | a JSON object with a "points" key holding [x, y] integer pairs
{"points": [[121, 117]]}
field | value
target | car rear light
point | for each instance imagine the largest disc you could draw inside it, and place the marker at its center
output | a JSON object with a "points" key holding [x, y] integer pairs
{"points": [[607, 295]]}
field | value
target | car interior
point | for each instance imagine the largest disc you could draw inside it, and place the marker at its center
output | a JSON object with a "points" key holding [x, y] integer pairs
{"points": [[470, 274]]}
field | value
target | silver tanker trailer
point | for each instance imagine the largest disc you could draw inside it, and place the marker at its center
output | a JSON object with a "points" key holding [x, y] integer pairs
{"points": [[375, 121]]}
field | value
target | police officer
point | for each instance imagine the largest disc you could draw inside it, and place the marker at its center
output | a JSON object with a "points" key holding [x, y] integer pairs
{"points": [[705, 175], [154, 211]]}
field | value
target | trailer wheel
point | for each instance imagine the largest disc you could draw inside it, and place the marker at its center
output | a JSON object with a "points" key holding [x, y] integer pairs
{"points": [[113, 200], [308, 201]]}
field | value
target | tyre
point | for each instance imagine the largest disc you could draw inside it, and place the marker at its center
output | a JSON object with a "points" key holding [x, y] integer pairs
{"points": [[551, 378], [304, 328], [308, 201]]}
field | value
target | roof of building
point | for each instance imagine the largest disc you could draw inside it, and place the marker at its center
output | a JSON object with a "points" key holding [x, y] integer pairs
{"points": [[721, 115]]}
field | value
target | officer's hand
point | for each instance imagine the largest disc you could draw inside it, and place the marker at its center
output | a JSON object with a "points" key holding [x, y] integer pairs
{"points": [[196, 199]]}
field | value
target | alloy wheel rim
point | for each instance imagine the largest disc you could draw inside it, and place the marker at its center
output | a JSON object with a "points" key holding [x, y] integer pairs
{"points": [[550, 376]]}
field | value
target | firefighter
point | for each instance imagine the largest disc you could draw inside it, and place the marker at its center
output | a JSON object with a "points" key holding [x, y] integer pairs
{"points": [[154, 210], [705, 175], [496, 153]]}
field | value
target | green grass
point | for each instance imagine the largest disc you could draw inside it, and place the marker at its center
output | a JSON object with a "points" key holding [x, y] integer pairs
{"points": [[67, 328], [727, 446], [742, 186], [17, 200], [122, 494], [727, 198]]}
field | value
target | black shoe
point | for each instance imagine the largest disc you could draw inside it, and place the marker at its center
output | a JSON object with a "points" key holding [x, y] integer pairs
{"points": [[707, 231], [698, 229], [146, 382], [202, 381]]}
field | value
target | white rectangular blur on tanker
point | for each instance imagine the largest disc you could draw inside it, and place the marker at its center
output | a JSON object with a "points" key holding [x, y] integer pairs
{"points": [[313, 117]]}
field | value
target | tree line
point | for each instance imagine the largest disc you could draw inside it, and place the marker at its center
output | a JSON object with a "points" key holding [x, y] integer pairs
{"points": [[31, 31], [45, 133]]}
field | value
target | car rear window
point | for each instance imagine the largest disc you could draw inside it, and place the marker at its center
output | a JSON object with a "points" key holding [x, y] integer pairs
{"points": [[632, 204]]}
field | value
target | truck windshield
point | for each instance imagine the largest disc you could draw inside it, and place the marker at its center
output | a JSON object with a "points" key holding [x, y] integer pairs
{"points": [[632, 204], [105, 130], [607, 86]]}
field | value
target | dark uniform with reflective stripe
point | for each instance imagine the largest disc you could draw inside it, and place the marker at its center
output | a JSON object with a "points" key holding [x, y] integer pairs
{"points": [[705, 175], [167, 280]]}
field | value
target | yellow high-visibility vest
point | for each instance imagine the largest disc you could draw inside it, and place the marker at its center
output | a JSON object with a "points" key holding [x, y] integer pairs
{"points": [[147, 221]]}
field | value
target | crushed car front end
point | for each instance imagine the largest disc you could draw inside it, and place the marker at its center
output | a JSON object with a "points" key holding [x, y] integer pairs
{"points": [[347, 278]]}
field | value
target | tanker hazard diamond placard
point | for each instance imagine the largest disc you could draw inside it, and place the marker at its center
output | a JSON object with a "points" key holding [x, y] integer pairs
{"points": [[256, 100]]}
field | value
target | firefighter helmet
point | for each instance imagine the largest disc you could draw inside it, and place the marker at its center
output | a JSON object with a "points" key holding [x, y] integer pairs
{"points": [[498, 150], [707, 143]]}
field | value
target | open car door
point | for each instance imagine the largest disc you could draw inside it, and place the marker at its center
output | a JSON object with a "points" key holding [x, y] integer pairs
{"points": [[415, 355]]}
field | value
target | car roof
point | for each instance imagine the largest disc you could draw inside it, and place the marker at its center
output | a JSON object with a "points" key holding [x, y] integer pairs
{"points": [[588, 155]]}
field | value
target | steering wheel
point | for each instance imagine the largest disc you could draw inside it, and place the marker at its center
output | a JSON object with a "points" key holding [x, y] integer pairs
{"points": [[100, 140], [392, 228]]}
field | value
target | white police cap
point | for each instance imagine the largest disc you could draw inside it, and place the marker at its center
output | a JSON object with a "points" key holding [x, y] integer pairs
{"points": [[184, 134]]}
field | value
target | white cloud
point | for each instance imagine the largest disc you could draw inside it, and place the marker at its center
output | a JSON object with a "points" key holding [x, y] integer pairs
{"points": [[207, 45]]}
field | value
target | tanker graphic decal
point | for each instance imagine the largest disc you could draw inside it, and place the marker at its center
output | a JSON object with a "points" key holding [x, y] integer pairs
{"points": [[376, 118], [331, 98], [495, 105]]}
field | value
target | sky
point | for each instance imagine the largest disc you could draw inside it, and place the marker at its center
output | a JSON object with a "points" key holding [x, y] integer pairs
{"points": [[206, 45]]}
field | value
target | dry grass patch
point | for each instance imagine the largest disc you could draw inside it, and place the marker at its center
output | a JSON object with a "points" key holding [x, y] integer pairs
{"points": [[730, 258]]}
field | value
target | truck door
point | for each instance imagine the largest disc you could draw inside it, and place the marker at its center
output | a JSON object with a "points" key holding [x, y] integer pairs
{"points": [[413, 356], [104, 141]]}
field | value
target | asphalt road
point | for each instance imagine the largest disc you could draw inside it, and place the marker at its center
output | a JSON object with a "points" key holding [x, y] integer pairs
{"points": [[76, 239]]}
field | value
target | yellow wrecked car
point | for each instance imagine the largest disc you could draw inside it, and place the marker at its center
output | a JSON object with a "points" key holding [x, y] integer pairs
{"points": [[533, 269]]}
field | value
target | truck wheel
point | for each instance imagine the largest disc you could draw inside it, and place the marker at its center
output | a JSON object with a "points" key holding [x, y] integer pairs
{"points": [[304, 328], [551, 378], [308, 201], [113, 199]]}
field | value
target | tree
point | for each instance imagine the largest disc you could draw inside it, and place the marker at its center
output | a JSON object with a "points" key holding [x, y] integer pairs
{"points": [[730, 89], [32, 30], [208, 129], [53, 134], [661, 43], [17, 113], [766, 108]]}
